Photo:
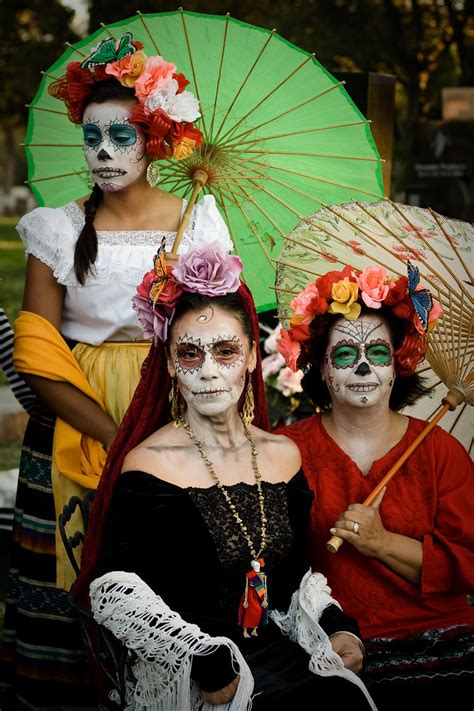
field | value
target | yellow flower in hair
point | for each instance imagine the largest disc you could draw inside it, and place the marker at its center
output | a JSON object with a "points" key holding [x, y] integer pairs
{"points": [[344, 294], [183, 149], [128, 70]]}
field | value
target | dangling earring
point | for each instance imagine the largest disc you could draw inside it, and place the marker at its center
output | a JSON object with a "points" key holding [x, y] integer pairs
{"points": [[248, 410], [153, 174], [175, 399]]}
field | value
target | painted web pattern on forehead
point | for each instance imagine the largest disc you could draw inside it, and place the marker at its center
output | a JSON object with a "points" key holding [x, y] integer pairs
{"points": [[359, 330]]}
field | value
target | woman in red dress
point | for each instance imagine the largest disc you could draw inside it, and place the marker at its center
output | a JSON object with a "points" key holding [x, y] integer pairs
{"points": [[407, 563]]}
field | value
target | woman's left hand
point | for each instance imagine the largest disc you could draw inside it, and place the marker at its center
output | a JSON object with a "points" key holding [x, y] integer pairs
{"points": [[223, 696], [362, 526], [349, 650]]}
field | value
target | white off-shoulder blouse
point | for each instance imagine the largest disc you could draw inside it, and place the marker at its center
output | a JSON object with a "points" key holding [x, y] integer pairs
{"points": [[101, 309]]}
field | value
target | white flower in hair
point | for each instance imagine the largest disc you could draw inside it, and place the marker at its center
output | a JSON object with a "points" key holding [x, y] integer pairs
{"points": [[182, 107]]}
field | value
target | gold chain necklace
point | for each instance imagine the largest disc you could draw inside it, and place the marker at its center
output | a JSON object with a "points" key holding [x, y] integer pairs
{"points": [[255, 599]]}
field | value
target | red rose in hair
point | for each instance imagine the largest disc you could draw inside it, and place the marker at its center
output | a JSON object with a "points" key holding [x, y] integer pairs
{"points": [[398, 290], [100, 74], [299, 332], [171, 292], [193, 133], [143, 289], [325, 282], [73, 88], [175, 132], [405, 309], [182, 82]]}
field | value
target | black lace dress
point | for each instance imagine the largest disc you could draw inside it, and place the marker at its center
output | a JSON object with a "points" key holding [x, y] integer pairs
{"points": [[186, 545]]}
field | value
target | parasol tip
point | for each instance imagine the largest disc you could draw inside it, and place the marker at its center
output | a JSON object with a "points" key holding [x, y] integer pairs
{"points": [[454, 397]]}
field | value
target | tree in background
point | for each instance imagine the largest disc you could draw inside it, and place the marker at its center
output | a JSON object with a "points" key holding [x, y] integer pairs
{"points": [[32, 36], [426, 44]]}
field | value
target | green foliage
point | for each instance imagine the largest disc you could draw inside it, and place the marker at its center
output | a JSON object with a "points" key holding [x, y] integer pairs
{"points": [[12, 270], [31, 38]]}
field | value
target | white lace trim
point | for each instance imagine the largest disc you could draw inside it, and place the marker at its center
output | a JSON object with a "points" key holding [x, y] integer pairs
{"points": [[164, 645], [50, 235], [301, 625]]}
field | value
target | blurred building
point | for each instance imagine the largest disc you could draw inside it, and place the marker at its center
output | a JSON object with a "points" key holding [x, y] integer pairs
{"points": [[443, 162]]}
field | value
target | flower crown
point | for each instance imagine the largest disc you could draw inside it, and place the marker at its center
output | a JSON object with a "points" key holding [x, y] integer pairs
{"points": [[207, 270], [165, 111], [342, 293]]}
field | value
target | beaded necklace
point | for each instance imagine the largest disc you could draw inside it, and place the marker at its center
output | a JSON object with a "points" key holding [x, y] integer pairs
{"points": [[254, 602]]}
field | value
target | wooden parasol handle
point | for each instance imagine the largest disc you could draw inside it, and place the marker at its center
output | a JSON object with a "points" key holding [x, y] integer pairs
{"points": [[200, 178], [451, 400]]}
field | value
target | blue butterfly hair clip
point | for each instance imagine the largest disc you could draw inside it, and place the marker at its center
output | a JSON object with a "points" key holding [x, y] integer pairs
{"points": [[421, 299]]}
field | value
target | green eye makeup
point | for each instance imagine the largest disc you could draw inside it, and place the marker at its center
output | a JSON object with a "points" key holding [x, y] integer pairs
{"points": [[347, 355], [378, 354], [344, 356]]}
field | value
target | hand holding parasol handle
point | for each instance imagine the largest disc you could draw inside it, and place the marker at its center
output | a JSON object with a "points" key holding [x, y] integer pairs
{"points": [[451, 400], [200, 178]]}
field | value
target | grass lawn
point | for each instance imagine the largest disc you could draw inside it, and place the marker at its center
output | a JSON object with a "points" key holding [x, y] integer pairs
{"points": [[12, 267], [10, 454]]}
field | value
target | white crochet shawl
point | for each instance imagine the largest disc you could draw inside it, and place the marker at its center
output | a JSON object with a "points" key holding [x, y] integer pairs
{"points": [[164, 644]]}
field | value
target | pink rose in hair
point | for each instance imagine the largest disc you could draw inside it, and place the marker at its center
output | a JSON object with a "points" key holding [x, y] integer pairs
{"points": [[289, 349], [156, 74], [308, 304], [373, 286], [154, 320], [208, 270]]}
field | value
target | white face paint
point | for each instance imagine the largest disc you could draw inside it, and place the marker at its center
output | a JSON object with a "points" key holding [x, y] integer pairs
{"points": [[359, 367], [210, 355], [114, 147]]}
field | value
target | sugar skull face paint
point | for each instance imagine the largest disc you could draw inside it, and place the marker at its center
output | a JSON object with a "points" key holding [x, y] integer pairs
{"points": [[114, 148], [359, 365], [210, 358]]}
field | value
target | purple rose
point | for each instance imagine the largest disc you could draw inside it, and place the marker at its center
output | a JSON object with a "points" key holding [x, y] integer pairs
{"points": [[154, 320], [208, 270]]}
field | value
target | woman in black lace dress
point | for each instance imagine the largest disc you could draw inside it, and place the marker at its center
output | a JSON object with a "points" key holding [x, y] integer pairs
{"points": [[211, 512]]}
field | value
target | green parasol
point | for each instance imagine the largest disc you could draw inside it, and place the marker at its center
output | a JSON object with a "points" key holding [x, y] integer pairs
{"points": [[281, 135]]}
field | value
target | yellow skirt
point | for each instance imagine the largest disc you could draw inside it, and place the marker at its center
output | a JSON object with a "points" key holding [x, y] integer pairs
{"points": [[113, 371]]}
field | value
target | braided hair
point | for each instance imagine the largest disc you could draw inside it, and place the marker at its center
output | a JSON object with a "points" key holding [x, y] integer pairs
{"points": [[85, 252]]}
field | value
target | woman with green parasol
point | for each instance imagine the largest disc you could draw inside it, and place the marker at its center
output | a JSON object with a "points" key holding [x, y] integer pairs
{"points": [[78, 341]]}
